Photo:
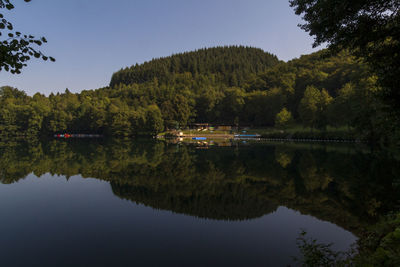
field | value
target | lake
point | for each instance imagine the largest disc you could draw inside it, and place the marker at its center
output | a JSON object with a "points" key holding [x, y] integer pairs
{"points": [[157, 203]]}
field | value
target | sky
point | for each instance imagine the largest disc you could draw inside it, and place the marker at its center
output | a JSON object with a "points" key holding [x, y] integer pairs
{"points": [[92, 39]]}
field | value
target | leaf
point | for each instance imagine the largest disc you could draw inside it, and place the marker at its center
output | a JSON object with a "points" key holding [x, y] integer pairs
{"points": [[9, 6]]}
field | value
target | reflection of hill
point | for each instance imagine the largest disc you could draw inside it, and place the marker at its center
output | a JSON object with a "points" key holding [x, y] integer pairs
{"points": [[233, 183], [232, 205]]}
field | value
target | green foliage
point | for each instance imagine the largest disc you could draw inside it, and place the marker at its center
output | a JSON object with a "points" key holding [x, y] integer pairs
{"points": [[378, 246], [316, 254], [17, 48], [370, 30], [318, 90], [154, 121], [308, 109], [283, 118], [342, 110], [230, 65], [313, 106]]}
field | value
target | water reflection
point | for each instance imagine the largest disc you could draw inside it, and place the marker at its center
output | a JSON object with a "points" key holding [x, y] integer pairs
{"points": [[234, 181]]}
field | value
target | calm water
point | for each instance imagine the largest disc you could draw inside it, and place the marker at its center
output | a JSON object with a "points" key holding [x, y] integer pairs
{"points": [[148, 203]]}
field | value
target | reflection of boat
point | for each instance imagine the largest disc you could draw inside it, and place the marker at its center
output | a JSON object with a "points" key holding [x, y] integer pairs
{"points": [[199, 138]]}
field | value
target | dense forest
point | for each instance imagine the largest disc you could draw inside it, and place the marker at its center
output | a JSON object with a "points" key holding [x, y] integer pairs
{"points": [[229, 65], [238, 86]]}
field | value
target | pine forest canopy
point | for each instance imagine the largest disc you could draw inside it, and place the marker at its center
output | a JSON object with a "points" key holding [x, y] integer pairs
{"points": [[230, 64]]}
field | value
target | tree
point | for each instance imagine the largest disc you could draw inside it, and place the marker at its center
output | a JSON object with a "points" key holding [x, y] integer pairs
{"points": [[342, 110], [232, 104], [313, 107], [154, 121], [324, 102], [205, 103], [283, 118], [369, 28], [17, 48], [308, 108], [182, 109]]}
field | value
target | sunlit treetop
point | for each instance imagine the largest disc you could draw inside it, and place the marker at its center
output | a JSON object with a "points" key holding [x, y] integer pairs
{"points": [[370, 28]]}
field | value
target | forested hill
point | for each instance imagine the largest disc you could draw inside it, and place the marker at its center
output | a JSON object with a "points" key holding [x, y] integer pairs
{"points": [[222, 86], [230, 65]]}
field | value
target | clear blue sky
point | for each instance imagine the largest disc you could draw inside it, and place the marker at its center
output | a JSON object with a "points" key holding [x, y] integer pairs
{"points": [[92, 39]]}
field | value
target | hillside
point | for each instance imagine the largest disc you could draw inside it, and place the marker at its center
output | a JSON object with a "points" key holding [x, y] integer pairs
{"points": [[230, 64], [225, 85]]}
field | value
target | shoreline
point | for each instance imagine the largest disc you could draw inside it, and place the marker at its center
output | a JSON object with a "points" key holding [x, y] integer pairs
{"points": [[260, 138], [271, 135]]}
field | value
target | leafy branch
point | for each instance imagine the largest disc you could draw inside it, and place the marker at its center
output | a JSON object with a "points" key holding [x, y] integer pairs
{"points": [[17, 48]]}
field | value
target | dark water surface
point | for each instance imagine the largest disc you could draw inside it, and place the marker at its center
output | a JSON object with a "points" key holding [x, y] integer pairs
{"points": [[149, 203]]}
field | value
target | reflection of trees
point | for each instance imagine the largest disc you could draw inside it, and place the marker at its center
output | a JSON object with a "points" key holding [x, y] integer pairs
{"points": [[221, 183], [313, 178], [232, 203], [283, 156]]}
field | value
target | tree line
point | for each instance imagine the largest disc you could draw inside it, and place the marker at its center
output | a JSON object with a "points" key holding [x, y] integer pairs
{"points": [[316, 90]]}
